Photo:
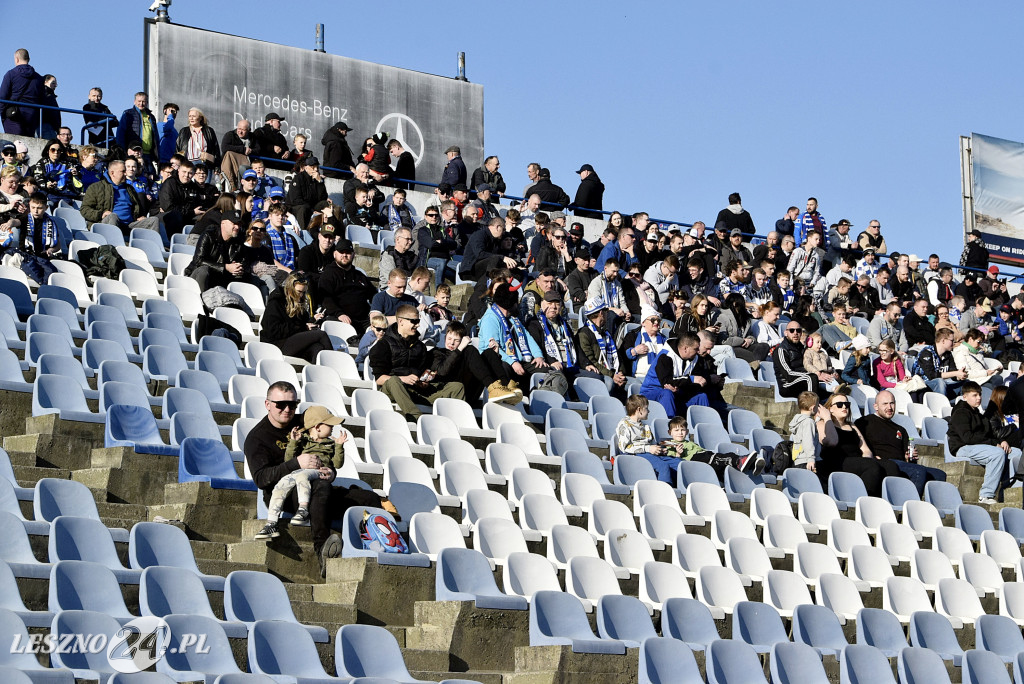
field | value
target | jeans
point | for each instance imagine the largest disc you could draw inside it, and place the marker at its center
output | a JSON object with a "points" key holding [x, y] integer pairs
{"points": [[919, 474], [669, 400], [992, 459], [664, 466], [950, 388], [438, 265]]}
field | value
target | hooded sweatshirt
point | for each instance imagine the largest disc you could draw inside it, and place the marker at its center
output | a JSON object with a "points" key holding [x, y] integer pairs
{"points": [[806, 445]]}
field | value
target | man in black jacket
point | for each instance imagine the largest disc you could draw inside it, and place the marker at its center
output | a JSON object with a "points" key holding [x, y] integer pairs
{"points": [[400, 362], [264, 453], [217, 260], [489, 174], [970, 436], [344, 290], [482, 252], [179, 201], [936, 365], [790, 373], [550, 194], [889, 443], [590, 195], [405, 166], [271, 141], [308, 192], [236, 146], [315, 257], [917, 327], [735, 216], [337, 154]]}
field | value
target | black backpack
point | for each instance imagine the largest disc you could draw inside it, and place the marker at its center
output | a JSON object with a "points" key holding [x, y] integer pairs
{"points": [[782, 457]]}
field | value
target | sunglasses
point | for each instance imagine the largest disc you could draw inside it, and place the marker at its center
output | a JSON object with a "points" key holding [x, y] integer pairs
{"points": [[414, 321], [379, 329], [431, 215], [795, 330], [842, 404], [284, 405]]}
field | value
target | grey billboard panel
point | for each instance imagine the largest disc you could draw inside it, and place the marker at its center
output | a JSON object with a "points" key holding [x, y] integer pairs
{"points": [[229, 78]]}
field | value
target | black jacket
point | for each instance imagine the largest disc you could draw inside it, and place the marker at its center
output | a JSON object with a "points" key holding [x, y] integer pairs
{"points": [[397, 355], [214, 251], [552, 196], [968, 426], [454, 172], [266, 137], [345, 291], [975, 255], [931, 364], [788, 358], [918, 329], [589, 197], [90, 119], [578, 281], [481, 245], [497, 183], [212, 147], [277, 325], [306, 190], [548, 258], [264, 452], [405, 167], [178, 196], [731, 220], [337, 154], [232, 143]]}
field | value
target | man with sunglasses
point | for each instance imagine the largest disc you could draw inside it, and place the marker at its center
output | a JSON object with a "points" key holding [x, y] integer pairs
{"points": [[344, 290], [401, 365], [434, 246], [790, 373], [264, 450]]}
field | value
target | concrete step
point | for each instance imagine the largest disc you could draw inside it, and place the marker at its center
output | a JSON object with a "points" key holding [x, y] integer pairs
{"points": [[68, 451], [28, 476], [285, 557], [22, 458], [127, 458], [128, 485], [205, 523], [312, 612]]}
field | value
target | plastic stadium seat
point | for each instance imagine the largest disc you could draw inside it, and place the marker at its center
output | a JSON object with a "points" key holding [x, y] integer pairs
{"points": [[897, 491], [881, 629], [465, 575], [17, 291], [813, 560], [660, 582], [846, 488], [166, 590], [87, 540], [1000, 635], [921, 666], [840, 594], [732, 662], [353, 547], [817, 509], [796, 664], [982, 572], [163, 363], [869, 564], [984, 667], [10, 600], [796, 481], [704, 499], [208, 460], [624, 618], [934, 632], [956, 598], [16, 551], [628, 470], [860, 664], [65, 311], [251, 596], [628, 549], [1002, 547], [943, 495], [369, 651], [719, 587], [819, 628], [953, 542], [588, 578], [280, 647], [63, 396], [973, 520], [152, 544], [430, 533], [664, 660], [84, 664], [539, 513], [758, 625], [56, 497], [747, 557], [39, 343], [135, 427], [690, 622], [784, 533], [215, 662], [11, 376], [209, 386], [558, 618], [81, 585], [692, 552]]}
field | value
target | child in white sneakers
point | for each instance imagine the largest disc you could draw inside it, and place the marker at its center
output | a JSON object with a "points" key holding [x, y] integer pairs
{"points": [[314, 439]]}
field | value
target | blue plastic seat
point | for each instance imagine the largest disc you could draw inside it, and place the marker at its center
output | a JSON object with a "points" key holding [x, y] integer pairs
{"points": [[984, 667], [55, 497], [696, 471], [11, 675], [921, 666], [624, 618], [112, 234], [39, 343], [11, 377], [664, 661], [353, 547], [629, 469], [738, 483], [465, 575], [10, 599], [171, 323], [973, 520], [166, 590], [69, 367], [224, 346], [216, 661], [65, 311], [151, 544], [758, 625], [796, 664], [12, 631], [846, 488], [880, 629], [370, 651], [123, 371], [796, 481], [95, 352], [7, 473], [163, 363], [564, 418], [9, 328], [1000, 635], [934, 632], [541, 401], [217, 364], [135, 427], [164, 308], [16, 550], [208, 460], [860, 664], [64, 396], [186, 424], [250, 597], [943, 495], [84, 665], [559, 619], [563, 440], [604, 425], [277, 647], [585, 462], [19, 294], [126, 394], [819, 628], [53, 325], [9, 502], [899, 490], [81, 585], [689, 621], [743, 422], [115, 332], [1011, 521], [732, 662], [588, 388], [7, 307], [207, 383], [87, 540]]}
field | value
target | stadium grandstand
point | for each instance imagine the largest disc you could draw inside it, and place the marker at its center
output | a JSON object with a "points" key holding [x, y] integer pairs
{"points": [[293, 414]]}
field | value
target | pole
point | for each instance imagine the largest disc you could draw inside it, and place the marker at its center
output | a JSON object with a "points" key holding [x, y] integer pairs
{"points": [[967, 184], [320, 38], [462, 67]]}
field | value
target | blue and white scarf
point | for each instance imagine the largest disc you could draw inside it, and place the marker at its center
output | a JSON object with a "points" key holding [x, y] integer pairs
{"points": [[282, 246], [654, 347], [513, 336], [612, 292], [259, 211], [551, 343], [609, 354], [49, 229]]}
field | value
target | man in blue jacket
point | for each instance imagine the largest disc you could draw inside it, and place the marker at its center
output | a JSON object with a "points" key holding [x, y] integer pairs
{"points": [[21, 84], [138, 125], [455, 169]]}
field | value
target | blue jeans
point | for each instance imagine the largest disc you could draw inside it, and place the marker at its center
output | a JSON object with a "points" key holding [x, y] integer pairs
{"points": [[664, 466], [438, 264], [919, 474], [992, 459], [950, 388], [669, 400]]}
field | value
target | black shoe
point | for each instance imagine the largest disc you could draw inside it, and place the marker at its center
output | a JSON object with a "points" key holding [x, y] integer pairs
{"points": [[269, 531], [301, 518], [330, 549]]}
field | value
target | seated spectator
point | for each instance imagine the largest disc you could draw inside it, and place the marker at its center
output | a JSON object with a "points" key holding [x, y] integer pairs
{"points": [[638, 293], [969, 288], [315, 257], [457, 360], [401, 255], [398, 213], [554, 336], [345, 291], [206, 193], [767, 329], [553, 255], [887, 370], [290, 324], [115, 202], [816, 360], [936, 366], [788, 358], [857, 370], [40, 241], [483, 252], [534, 294], [1000, 415], [840, 293], [218, 257], [1006, 334], [700, 316], [968, 358], [56, 177], [264, 453], [916, 326], [634, 436], [887, 326], [642, 345], [578, 281], [759, 291], [378, 326], [439, 310], [401, 365], [868, 265], [258, 258], [90, 169], [889, 443], [502, 330], [608, 288], [362, 211], [236, 147], [388, 300], [434, 245], [848, 450], [671, 381], [679, 446], [663, 278], [736, 330], [839, 333], [970, 436], [940, 288], [308, 192]]}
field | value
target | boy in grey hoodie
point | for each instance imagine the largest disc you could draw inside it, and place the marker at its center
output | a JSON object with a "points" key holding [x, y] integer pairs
{"points": [[806, 430]]}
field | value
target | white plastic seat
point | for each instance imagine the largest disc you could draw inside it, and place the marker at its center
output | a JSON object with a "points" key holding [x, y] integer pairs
{"points": [[660, 582], [459, 478], [653, 492], [242, 386], [237, 319], [502, 459], [429, 533], [726, 525], [839, 594], [478, 504], [580, 490], [380, 420], [607, 515], [784, 591], [765, 502], [250, 294], [1001, 546], [953, 542], [381, 447], [539, 512], [718, 587], [904, 596], [897, 541], [869, 564], [662, 522], [843, 535], [692, 552], [813, 560], [588, 579], [525, 481], [922, 517], [276, 370], [872, 512], [928, 566], [747, 557], [569, 541], [982, 572], [497, 538], [527, 573], [784, 533], [628, 549], [704, 499], [817, 509], [142, 284], [956, 598], [1011, 601]]}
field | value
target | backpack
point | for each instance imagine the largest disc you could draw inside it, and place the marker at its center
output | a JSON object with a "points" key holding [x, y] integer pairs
{"points": [[554, 381], [379, 534], [101, 262], [782, 457]]}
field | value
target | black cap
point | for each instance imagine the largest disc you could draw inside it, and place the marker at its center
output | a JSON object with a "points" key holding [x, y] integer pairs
{"points": [[444, 188], [461, 187], [576, 229], [344, 245], [483, 187], [271, 116], [586, 167], [582, 253], [552, 296], [343, 126], [311, 161], [232, 216], [8, 146]]}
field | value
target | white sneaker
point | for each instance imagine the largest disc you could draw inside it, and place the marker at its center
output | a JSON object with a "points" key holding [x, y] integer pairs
{"points": [[986, 500]]}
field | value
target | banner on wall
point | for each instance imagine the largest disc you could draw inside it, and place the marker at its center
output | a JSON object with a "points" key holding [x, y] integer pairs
{"points": [[997, 167]]}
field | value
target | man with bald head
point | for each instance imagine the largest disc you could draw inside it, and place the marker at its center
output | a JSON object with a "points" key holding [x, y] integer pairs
{"points": [[237, 146], [889, 442]]}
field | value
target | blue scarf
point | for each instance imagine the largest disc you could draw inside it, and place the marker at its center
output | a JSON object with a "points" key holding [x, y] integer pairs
{"points": [[609, 354], [652, 348], [612, 292], [282, 246], [514, 336], [551, 344], [49, 229]]}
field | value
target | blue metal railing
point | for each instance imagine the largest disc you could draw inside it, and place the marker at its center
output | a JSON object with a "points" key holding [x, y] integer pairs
{"points": [[107, 118]]}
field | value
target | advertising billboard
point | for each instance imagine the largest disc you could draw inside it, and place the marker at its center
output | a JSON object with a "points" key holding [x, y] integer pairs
{"points": [[997, 166], [230, 78]]}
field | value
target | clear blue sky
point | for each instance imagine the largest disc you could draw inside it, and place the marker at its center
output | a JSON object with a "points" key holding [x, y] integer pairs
{"points": [[675, 104]]}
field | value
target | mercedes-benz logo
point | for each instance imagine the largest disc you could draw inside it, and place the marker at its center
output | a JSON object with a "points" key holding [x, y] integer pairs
{"points": [[404, 130]]}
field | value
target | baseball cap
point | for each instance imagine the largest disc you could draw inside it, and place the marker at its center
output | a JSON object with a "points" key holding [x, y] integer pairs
{"points": [[343, 126], [311, 161], [1006, 308], [9, 146], [576, 229], [582, 253], [327, 230], [315, 415], [986, 304], [993, 269], [271, 116], [651, 237], [275, 192], [693, 232], [460, 187], [593, 306], [249, 174], [344, 245], [585, 167], [735, 231], [21, 147], [232, 216], [844, 222]]}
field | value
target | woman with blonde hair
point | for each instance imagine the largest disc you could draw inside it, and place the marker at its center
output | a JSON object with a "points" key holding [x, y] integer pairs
{"points": [[197, 142], [290, 324]]}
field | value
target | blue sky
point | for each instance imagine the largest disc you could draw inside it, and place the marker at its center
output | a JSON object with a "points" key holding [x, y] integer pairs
{"points": [[675, 104]]}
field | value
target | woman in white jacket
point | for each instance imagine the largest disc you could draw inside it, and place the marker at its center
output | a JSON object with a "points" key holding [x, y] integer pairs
{"points": [[968, 357]]}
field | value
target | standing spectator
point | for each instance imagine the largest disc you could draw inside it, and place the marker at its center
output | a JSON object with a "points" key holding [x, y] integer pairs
{"points": [[50, 117], [21, 84], [401, 366], [550, 194], [138, 125], [271, 141], [337, 154], [236, 147], [589, 195], [489, 174], [299, 153], [344, 290], [455, 170], [809, 222], [197, 142], [308, 192], [838, 245], [100, 128], [168, 136], [970, 436], [975, 254], [405, 165], [787, 224], [290, 324], [735, 216], [805, 262]]}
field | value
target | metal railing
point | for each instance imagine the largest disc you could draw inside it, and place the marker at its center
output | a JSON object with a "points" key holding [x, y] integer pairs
{"points": [[107, 118]]}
